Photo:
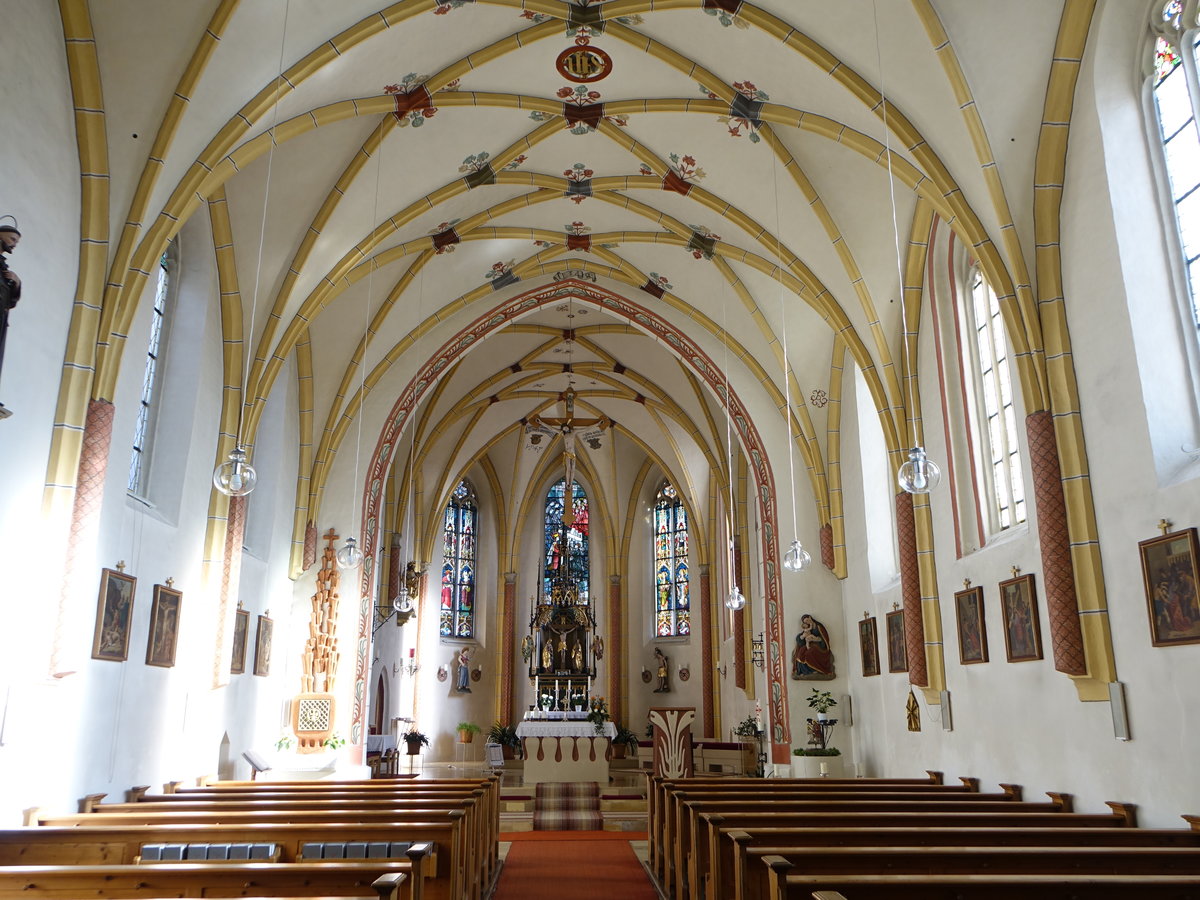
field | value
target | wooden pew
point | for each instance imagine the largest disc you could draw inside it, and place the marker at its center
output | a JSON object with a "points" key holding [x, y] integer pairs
{"points": [[486, 789], [728, 847], [385, 879], [681, 825], [785, 886], [443, 876], [752, 878], [658, 787]]}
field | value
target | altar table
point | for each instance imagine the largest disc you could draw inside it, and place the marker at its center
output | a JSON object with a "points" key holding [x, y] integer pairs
{"points": [[566, 751]]}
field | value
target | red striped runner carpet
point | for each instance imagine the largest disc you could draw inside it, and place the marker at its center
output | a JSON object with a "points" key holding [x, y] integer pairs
{"points": [[575, 866], [567, 806]]}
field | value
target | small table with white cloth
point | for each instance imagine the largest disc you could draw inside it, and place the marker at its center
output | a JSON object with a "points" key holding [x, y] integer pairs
{"points": [[566, 751]]}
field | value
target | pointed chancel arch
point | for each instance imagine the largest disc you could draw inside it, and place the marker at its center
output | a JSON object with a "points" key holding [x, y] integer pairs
{"points": [[674, 341]]}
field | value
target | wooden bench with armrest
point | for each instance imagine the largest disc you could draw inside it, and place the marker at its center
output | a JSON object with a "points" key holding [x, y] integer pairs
{"points": [[752, 875], [786, 886], [726, 844], [430, 852], [681, 825], [658, 788], [387, 879]]}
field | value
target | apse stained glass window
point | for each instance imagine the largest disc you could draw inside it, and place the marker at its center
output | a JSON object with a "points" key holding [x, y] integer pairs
{"points": [[566, 550], [1176, 103], [672, 604], [985, 355], [143, 430], [458, 565]]}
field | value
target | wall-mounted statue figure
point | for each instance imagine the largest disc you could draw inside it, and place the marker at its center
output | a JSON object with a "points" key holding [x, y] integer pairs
{"points": [[812, 660]]}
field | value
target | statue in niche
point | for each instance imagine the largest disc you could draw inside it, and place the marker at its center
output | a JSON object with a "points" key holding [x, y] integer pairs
{"points": [[463, 676], [812, 660]]}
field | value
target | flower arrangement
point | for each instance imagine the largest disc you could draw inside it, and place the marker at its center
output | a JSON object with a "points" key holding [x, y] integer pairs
{"points": [[748, 727], [598, 713]]}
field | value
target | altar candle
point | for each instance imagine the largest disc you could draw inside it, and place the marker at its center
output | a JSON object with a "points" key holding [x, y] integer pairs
{"points": [[824, 768], [412, 651]]}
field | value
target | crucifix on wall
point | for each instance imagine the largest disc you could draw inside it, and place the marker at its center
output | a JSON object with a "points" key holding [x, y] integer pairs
{"points": [[572, 428]]}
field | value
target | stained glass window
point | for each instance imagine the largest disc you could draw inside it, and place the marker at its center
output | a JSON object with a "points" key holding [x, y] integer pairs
{"points": [[458, 563], [143, 430], [570, 550], [672, 603], [1175, 52]]}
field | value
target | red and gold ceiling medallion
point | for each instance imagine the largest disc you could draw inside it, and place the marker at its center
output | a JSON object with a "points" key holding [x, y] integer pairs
{"points": [[583, 64]]}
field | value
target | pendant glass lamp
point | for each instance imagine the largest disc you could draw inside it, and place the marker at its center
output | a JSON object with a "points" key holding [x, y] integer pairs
{"points": [[919, 475], [235, 477], [404, 604], [796, 559], [348, 555], [736, 600]]}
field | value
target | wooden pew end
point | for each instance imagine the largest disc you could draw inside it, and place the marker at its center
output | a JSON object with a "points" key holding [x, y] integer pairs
{"points": [[971, 784], [388, 886], [828, 895], [137, 792], [89, 803], [1064, 802], [935, 777], [171, 787], [1128, 811], [1011, 791], [31, 815]]}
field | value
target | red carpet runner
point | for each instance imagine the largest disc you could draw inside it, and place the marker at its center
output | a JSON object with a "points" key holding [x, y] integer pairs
{"points": [[584, 869], [567, 806]]}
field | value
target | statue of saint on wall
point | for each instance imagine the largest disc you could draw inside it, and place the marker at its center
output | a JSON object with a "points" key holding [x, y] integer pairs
{"points": [[463, 680], [663, 667], [812, 660]]}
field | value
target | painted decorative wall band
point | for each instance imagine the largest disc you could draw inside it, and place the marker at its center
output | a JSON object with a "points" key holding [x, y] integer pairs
{"points": [[1058, 573], [910, 585]]}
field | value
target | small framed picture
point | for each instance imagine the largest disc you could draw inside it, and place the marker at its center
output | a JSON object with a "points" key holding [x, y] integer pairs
{"points": [[164, 626], [241, 625], [262, 647], [972, 630], [1022, 631], [868, 645], [1169, 571], [114, 613], [897, 648]]}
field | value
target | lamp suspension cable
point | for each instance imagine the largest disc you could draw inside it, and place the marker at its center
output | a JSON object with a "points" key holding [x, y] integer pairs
{"points": [[406, 605], [919, 474], [235, 477], [796, 559], [736, 599], [350, 555]]}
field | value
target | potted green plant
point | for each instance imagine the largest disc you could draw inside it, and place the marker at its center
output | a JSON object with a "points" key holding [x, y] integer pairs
{"points": [[415, 740], [506, 737], [747, 730], [467, 731], [748, 727], [598, 713], [334, 742], [624, 744], [285, 742], [822, 702]]}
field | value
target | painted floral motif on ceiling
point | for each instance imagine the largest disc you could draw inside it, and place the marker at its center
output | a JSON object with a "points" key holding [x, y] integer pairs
{"points": [[685, 167], [661, 281], [819, 399], [742, 118], [442, 229]]}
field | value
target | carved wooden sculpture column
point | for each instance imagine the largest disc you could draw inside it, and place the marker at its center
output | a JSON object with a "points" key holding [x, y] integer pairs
{"points": [[313, 707]]}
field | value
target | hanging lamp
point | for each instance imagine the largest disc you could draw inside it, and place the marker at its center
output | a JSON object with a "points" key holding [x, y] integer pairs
{"points": [[919, 474]]}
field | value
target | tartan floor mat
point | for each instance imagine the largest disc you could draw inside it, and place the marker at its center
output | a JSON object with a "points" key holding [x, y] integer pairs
{"points": [[567, 806]]}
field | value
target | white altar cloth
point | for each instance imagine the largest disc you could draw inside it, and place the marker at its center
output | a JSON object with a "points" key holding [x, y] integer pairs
{"points": [[565, 729]]}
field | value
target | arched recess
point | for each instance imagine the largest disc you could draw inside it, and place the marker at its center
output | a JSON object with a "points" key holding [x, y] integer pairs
{"points": [[689, 353]]}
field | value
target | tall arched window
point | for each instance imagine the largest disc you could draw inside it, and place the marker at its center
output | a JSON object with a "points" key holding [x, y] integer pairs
{"points": [[143, 430], [992, 413], [569, 549], [458, 565], [672, 607], [1173, 85]]}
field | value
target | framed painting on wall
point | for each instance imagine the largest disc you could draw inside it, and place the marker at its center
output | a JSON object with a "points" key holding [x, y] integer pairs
{"points": [[114, 613], [164, 626], [241, 625], [972, 630], [1022, 631], [1169, 571], [262, 647], [897, 649], [868, 645]]}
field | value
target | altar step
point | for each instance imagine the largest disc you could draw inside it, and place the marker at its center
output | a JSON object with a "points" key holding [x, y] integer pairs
{"points": [[622, 805]]}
